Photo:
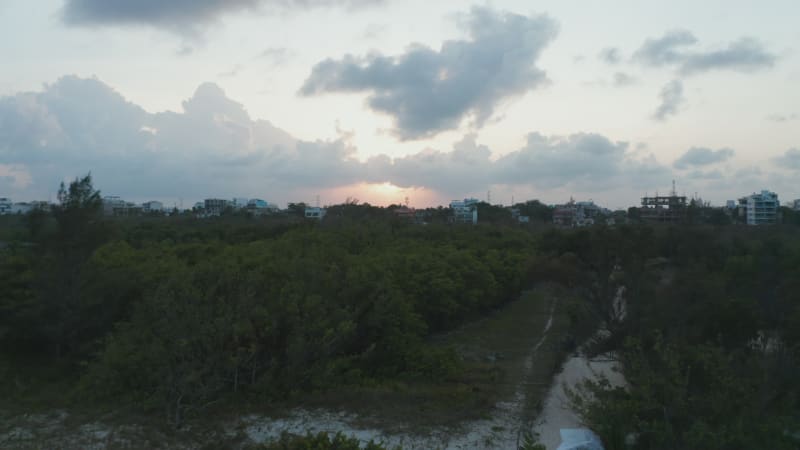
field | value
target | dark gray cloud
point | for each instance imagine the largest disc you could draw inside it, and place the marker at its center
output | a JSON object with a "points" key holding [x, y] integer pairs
{"points": [[428, 91], [701, 156], [744, 55], [789, 160], [184, 16], [583, 161], [665, 50], [671, 100], [676, 48], [610, 55]]}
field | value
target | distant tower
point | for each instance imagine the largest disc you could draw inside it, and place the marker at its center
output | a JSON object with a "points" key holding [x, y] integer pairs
{"points": [[489, 197], [674, 193], [317, 201], [406, 201]]}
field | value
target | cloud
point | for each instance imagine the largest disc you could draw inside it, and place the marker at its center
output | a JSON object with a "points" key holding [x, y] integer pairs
{"points": [[744, 55], [465, 168], [584, 160], [674, 48], [789, 160], [277, 56], [671, 100], [705, 175], [700, 156], [212, 147], [610, 55], [622, 79], [666, 49], [783, 117], [235, 70], [13, 177], [182, 16], [427, 91]]}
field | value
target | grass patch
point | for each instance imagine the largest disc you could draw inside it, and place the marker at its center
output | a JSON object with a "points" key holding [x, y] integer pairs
{"points": [[497, 358]]}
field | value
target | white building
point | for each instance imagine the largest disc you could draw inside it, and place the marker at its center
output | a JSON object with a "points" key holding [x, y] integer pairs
{"points": [[153, 207], [465, 211], [239, 203], [21, 208], [761, 208], [115, 206], [315, 212], [5, 205]]}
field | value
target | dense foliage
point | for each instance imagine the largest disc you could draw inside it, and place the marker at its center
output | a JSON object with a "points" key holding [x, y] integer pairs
{"points": [[174, 318], [708, 341]]}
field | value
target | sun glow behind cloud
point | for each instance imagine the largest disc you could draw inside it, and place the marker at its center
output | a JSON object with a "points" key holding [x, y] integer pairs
{"points": [[383, 194]]}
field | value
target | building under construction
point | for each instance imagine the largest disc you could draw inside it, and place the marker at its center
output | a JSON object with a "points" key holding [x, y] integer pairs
{"points": [[664, 209]]}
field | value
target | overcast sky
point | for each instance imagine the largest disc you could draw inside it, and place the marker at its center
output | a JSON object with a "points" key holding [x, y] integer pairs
{"points": [[284, 100]]}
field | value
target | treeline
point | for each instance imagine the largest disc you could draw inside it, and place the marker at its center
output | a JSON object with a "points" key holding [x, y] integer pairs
{"points": [[708, 336], [174, 319]]}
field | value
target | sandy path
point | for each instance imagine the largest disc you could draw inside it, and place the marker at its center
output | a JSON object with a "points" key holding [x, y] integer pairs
{"points": [[557, 413]]}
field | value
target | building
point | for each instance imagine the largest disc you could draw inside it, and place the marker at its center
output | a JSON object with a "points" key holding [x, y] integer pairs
{"points": [[152, 207], [577, 214], [796, 205], [5, 205], [22, 208], [663, 209], [405, 213], [760, 208], [315, 212], [517, 217], [115, 206], [465, 211], [240, 203], [257, 203], [215, 206], [259, 207]]}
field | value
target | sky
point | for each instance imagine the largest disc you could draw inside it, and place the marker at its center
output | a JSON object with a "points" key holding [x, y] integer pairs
{"points": [[388, 101]]}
